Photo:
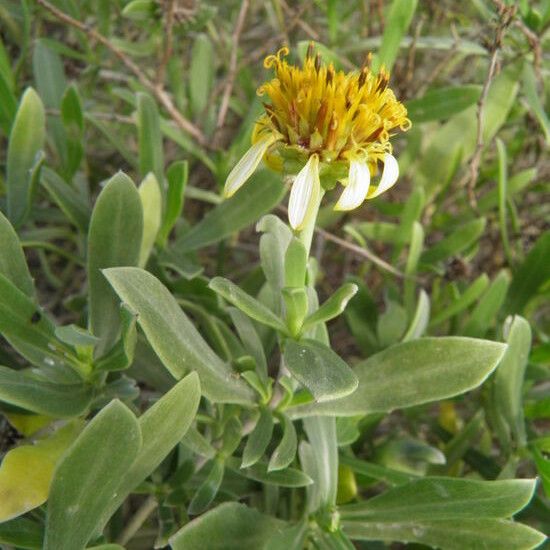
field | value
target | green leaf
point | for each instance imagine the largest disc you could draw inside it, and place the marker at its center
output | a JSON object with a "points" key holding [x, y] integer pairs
{"points": [[258, 440], [440, 498], [333, 307], [89, 474], [208, 489], [72, 204], [534, 101], [26, 141], [121, 355], [508, 383], [503, 199], [22, 389], [201, 74], [26, 471], [285, 452], [21, 533], [442, 103], [530, 275], [289, 477], [391, 324], [411, 373], [399, 18], [496, 534], [140, 10], [319, 369], [151, 203], [230, 526], [51, 83], [289, 538], [470, 295], [29, 330], [262, 193], [8, 104], [75, 336], [114, 239], [162, 426], [151, 157], [489, 305], [246, 303], [456, 242], [13, 264], [174, 338], [71, 108], [376, 471], [176, 177], [251, 341], [420, 320]]}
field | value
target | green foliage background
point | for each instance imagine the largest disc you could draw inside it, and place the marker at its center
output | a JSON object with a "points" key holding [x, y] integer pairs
{"points": [[138, 406]]}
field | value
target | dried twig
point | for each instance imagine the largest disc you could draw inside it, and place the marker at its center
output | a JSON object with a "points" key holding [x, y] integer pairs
{"points": [[357, 250], [425, 83], [277, 40], [505, 17], [360, 251], [162, 97], [168, 41], [232, 73], [111, 117], [409, 74], [314, 35], [139, 518]]}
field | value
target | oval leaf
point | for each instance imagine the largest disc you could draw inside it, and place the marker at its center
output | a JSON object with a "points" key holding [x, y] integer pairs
{"points": [[415, 372], [89, 475], [114, 239], [319, 369], [174, 338]]}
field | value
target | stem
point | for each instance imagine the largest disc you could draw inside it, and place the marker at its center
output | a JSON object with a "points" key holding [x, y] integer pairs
{"points": [[138, 520]]}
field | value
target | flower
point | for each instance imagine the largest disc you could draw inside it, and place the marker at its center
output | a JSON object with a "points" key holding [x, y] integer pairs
{"points": [[325, 126]]}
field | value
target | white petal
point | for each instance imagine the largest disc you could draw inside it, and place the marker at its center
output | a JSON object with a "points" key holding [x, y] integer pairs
{"points": [[357, 188], [246, 166], [389, 176], [305, 191]]}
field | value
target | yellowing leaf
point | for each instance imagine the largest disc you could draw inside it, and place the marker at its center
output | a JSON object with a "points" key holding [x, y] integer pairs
{"points": [[26, 472], [28, 424]]}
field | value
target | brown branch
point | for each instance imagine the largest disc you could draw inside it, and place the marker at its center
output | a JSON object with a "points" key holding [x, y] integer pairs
{"points": [[313, 35], [168, 41], [360, 251], [425, 83], [232, 73], [505, 17], [162, 97]]}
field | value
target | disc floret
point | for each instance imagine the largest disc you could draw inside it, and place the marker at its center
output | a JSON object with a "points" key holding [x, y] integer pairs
{"points": [[325, 126]]}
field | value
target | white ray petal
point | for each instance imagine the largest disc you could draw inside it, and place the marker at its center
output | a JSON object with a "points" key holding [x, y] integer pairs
{"points": [[357, 188], [246, 166], [305, 191], [389, 176]]}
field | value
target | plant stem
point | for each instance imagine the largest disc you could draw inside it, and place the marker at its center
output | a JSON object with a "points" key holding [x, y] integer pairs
{"points": [[139, 518]]}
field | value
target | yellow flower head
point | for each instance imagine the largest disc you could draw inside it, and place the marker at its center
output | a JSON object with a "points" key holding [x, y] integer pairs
{"points": [[325, 125]]}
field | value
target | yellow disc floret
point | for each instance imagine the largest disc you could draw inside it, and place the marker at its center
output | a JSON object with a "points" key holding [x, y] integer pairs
{"points": [[324, 125], [321, 110]]}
